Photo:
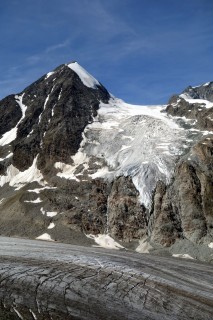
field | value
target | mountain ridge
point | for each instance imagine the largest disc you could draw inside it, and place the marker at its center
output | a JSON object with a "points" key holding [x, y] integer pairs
{"points": [[100, 166]]}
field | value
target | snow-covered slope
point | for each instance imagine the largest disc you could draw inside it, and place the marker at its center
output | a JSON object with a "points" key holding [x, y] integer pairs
{"points": [[127, 140]]}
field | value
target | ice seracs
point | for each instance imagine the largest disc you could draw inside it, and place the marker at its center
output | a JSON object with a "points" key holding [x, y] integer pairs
{"points": [[137, 141]]}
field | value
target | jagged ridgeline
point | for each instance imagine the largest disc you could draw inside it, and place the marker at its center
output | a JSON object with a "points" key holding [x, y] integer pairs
{"points": [[80, 166]]}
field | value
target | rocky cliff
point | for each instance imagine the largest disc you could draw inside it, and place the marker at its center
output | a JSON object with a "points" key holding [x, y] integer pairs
{"points": [[78, 165]]}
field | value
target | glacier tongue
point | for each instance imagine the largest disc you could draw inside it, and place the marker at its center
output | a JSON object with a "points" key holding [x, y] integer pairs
{"points": [[137, 141]]}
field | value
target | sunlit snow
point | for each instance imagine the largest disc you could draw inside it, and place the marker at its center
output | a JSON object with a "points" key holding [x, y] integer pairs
{"points": [[105, 241], [38, 200], [45, 236], [49, 74], [19, 178], [51, 225], [144, 246], [48, 213], [206, 104], [10, 136], [87, 79], [184, 255]]}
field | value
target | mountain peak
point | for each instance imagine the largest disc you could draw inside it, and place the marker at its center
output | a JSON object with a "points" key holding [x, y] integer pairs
{"points": [[76, 158], [87, 79]]}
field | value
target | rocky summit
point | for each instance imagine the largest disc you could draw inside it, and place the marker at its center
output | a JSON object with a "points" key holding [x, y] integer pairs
{"points": [[80, 166]]}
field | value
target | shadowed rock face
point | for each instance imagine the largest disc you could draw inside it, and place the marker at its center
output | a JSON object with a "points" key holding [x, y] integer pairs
{"points": [[58, 109], [184, 209], [65, 151], [201, 92]]}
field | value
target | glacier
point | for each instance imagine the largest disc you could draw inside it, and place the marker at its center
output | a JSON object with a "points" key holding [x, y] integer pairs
{"points": [[138, 141]]}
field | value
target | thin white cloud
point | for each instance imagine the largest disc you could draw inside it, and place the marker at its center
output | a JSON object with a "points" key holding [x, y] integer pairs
{"points": [[57, 46]]}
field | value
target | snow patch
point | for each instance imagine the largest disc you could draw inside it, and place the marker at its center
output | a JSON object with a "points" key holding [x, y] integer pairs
{"points": [[38, 200], [144, 246], [8, 136], [11, 135], [210, 245], [184, 255], [51, 213], [18, 313], [49, 74], [45, 236], [8, 156], [206, 84], [33, 314], [105, 241], [68, 171], [37, 190], [87, 79], [19, 100], [45, 103], [205, 103], [48, 213], [100, 173], [51, 225], [20, 178]]}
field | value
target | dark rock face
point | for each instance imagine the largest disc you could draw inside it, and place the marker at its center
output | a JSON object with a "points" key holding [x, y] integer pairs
{"points": [[10, 114], [126, 217], [42, 132], [195, 111], [184, 208]]}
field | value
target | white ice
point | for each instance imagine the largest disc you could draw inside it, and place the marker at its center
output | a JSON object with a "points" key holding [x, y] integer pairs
{"points": [[87, 79], [137, 141]]}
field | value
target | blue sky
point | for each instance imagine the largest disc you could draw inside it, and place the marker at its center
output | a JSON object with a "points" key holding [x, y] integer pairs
{"points": [[142, 51]]}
